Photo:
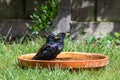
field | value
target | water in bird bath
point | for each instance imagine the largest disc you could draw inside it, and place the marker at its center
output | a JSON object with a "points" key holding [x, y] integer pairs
{"points": [[69, 57]]}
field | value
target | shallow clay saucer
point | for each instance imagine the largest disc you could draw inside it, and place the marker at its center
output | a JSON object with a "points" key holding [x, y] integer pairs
{"points": [[66, 60]]}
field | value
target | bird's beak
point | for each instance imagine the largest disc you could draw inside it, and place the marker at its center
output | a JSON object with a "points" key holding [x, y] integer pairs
{"points": [[68, 33], [56, 37]]}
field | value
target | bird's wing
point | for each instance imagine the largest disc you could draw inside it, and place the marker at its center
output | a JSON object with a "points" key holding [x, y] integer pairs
{"points": [[44, 47]]}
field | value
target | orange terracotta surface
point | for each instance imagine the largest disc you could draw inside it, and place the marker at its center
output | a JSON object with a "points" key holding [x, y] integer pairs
{"points": [[66, 60]]}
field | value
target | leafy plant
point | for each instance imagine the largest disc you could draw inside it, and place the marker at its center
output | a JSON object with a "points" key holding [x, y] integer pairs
{"points": [[82, 31], [90, 39], [117, 37], [106, 40], [44, 15]]}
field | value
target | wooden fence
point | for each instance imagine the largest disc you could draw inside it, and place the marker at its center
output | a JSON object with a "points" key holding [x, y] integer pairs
{"points": [[81, 10], [96, 13]]}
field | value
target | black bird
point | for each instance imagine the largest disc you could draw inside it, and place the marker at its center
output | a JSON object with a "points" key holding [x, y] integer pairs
{"points": [[54, 45], [60, 42]]}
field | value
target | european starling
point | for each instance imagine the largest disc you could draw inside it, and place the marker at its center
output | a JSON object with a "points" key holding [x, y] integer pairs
{"points": [[60, 42], [54, 45]]}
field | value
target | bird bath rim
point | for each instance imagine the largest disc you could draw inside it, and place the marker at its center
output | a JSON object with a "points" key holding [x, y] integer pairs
{"points": [[66, 60]]}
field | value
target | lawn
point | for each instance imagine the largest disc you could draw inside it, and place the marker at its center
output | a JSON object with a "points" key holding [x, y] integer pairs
{"points": [[10, 70]]}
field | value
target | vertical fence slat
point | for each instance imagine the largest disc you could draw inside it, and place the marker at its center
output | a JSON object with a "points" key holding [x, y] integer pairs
{"points": [[108, 10], [11, 9], [83, 10]]}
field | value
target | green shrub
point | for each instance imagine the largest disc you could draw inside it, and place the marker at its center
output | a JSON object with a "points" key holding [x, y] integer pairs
{"points": [[44, 15], [117, 38]]}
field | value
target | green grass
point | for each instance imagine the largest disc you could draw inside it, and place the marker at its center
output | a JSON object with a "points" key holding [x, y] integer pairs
{"points": [[9, 69]]}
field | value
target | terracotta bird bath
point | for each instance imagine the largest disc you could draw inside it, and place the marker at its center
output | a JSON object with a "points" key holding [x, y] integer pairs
{"points": [[66, 60]]}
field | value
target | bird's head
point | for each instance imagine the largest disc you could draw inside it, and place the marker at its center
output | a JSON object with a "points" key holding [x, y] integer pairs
{"points": [[60, 36], [50, 38]]}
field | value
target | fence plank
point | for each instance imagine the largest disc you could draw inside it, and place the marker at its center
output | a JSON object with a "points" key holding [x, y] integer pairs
{"points": [[83, 10], [11, 9], [108, 10]]}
